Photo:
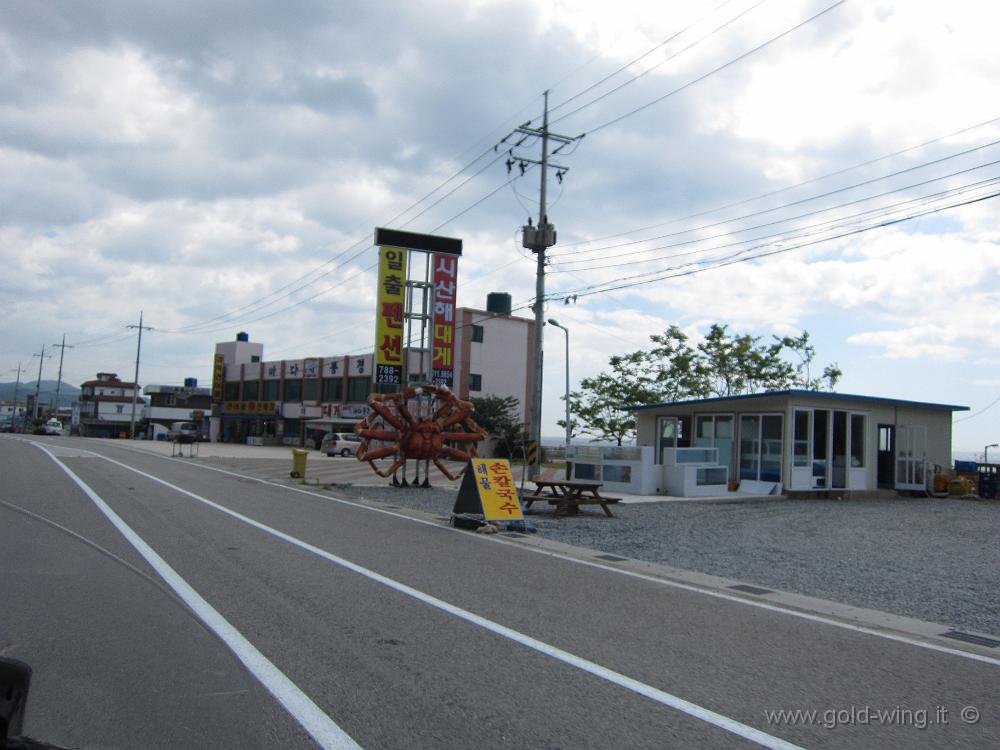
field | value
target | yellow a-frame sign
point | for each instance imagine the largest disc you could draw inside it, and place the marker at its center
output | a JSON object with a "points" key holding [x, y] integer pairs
{"points": [[488, 488]]}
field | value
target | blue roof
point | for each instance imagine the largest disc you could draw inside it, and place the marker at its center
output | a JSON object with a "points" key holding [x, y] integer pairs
{"points": [[798, 392]]}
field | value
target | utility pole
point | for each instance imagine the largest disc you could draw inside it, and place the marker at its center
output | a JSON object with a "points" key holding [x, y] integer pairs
{"points": [[135, 392], [17, 387], [62, 351], [38, 383], [538, 239]]}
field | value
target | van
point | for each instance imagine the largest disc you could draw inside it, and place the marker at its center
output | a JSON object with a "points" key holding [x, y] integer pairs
{"points": [[183, 432]]}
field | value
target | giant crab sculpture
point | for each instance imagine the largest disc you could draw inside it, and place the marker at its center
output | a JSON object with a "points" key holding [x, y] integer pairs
{"points": [[426, 423]]}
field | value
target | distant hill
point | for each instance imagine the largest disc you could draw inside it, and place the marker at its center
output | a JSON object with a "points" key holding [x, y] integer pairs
{"points": [[68, 394]]}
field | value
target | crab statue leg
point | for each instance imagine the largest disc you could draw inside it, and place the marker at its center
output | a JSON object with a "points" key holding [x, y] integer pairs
{"points": [[446, 472], [383, 411], [390, 471]]}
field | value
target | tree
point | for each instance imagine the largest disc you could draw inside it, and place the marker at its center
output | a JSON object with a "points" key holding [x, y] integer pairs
{"points": [[672, 370], [499, 416], [597, 407]]}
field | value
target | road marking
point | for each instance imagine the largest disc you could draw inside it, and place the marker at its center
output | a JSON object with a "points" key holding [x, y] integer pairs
{"points": [[667, 699], [768, 606], [320, 727]]}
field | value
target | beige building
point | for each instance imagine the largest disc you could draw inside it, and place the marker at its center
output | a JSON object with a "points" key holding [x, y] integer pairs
{"points": [[291, 401], [807, 441], [794, 442]]}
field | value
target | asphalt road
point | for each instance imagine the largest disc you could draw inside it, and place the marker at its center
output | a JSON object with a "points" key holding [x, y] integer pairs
{"points": [[330, 623]]}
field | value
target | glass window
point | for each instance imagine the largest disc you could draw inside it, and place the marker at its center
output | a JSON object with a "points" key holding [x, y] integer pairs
{"points": [[477, 334], [668, 432], [839, 475], [770, 460], [800, 448], [821, 418], [309, 389], [857, 441], [615, 473], [475, 382], [293, 390], [358, 389], [271, 390], [231, 392], [251, 390], [333, 389], [749, 447]]}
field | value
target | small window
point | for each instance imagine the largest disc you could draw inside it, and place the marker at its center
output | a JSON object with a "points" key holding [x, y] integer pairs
{"points": [[271, 390], [477, 335], [309, 389], [255, 358], [857, 441], [333, 389], [475, 382], [358, 389], [293, 390], [121, 409]]}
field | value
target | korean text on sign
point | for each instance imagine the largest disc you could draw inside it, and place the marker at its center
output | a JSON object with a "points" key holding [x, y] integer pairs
{"points": [[445, 289], [497, 490], [389, 315]]}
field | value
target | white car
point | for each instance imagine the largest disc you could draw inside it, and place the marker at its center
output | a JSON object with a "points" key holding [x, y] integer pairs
{"points": [[52, 427], [340, 444]]}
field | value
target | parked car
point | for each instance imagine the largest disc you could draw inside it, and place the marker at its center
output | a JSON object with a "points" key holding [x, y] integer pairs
{"points": [[51, 427], [340, 444], [183, 432]]}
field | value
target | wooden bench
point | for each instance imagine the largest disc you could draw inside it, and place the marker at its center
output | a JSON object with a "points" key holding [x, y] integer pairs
{"points": [[568, 495]]}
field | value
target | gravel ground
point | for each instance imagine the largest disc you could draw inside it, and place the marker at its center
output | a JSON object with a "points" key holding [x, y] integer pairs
{"points": [[934, 559]]}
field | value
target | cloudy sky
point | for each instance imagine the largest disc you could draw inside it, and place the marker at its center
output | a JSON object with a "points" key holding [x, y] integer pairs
{"points": [[220, 165]]}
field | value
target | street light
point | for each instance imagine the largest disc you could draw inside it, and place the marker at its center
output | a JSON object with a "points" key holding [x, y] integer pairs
{"points": [[553, 321], [986, 452]]}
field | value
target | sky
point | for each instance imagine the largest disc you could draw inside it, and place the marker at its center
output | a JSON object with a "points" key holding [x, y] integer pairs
{"points": [[773, 165]]}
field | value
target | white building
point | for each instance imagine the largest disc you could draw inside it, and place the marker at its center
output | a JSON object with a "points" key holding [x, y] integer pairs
{"points": [[175, 403], [106, 406], [808, 443], [290, 401]]}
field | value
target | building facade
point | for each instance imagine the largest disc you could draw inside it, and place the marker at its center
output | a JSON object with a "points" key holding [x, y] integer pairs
{"points": [[292, 402], [794, 442], [106, 406], [175, 403]]}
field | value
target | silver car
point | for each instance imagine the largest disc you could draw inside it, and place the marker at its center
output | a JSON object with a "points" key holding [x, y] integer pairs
{"points": [[340, 444]]}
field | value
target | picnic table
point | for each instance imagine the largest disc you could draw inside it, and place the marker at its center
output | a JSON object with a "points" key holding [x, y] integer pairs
{"points": [[568, 495]]}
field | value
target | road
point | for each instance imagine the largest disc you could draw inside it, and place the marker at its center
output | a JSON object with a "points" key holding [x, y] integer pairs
{"points": [[323, 622]]}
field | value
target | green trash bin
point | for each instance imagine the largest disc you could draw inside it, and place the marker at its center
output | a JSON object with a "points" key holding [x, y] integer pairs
{"points": [[299, 463]]}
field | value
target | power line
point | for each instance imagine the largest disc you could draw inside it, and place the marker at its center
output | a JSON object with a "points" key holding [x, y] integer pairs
{"points": [[644, 55], [663, 274], [880, 210], [809, 199], [654, 67], [981, 411], [710, 73], [772, 193]]}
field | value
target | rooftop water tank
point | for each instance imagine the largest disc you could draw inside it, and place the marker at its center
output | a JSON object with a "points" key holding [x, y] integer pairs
{"points": [[242, 336], [190, 382], [498, 302]]}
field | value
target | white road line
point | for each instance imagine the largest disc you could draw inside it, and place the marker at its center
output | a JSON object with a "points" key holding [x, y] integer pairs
{"points": [[319, 726], [711, 717], [768, 606]]}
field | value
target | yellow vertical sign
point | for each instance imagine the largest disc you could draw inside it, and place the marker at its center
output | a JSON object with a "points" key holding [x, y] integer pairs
{"points": [[497, 491], [218, 378], [389, 315]]}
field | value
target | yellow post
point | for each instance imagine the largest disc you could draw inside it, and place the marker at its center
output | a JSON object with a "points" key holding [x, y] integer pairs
{"points": [[299, 463]]}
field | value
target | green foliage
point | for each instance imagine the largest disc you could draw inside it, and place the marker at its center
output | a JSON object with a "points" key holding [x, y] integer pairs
{"points": [[499, 417], [672, 370]]}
